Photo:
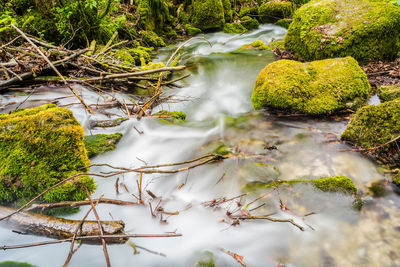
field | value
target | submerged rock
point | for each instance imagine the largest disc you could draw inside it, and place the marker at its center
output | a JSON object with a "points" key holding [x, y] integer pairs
{"points": [[389, 92], [249, 23], [208, 14], [256, 45], [314, 88], [100, 143], [38, 148], [171, 117], [362, 29], [376, 126]]}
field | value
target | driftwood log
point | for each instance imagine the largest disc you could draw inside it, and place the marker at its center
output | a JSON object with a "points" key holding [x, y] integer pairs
{"points": [[61, 228]]}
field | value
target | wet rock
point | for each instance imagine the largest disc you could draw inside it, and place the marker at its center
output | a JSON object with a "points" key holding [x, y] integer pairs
{"points": [[100, 143], [315, 88], [38, 148], [334, 28], [285, 23], [171, 117], [208, 14], [235, 28], [256, 45], [375, 126], [249, 23]]}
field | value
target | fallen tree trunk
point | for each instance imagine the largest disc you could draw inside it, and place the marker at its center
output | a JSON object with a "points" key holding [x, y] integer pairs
{"points": [[55, 227]]}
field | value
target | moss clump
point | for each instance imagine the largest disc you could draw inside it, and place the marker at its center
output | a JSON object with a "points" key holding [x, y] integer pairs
{"points": [[362, 29], [141, 54], [388, 93], [247, 10], [314, 88], [396, 179], [277, 44], [270, 12], [15, 264], [285, 23], [340, 184], [234, 28], [377, 189], [153, 14], [171, 117], [38, 148], [190, 30], [206, 259], [100, 143], [152, 39], [124, 56], [256, 45], [208, 14], [374, 125], [249, 23], [228, 12]]}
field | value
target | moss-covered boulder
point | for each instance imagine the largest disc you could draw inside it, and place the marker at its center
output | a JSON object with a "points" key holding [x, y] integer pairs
{"points": [[208, 14], [228, 12], [363, 29], [38, 148], [249, 23], [314, 88], [150, 38], [271, 12], [235, 28], [374, 126], [256, 45], [190, 30], [99, 143], [389, 92], [285, 23]]}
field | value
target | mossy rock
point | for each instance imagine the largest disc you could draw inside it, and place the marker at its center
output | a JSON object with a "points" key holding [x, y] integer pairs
{"points": [[277, 44], [141, 54], [389, 92], [171, 117], [124, 56], [249, 23], [271, 12], [362, 29], [208, 14], [153, 14], [190, 30], [152, 39], [100, 143], [256, 45], [228, 12], [285, 23], [373, 126], [396, 179], [321, 87], [235, 28], [38, 148], [15, 264], [340, 184], [248, 11], [205, 259]]}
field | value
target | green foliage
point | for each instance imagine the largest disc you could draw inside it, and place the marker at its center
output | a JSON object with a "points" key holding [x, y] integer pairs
{"points": [[314, 88], [273, 11], [100, 143], [38, 148], [374, 125], [208, 14], [362, 29], [15, 264]]}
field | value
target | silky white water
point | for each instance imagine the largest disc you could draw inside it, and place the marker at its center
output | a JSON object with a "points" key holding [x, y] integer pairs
{"points": [[216, 99]]}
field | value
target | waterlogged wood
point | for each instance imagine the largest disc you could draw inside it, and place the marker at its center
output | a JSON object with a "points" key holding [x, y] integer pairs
{"points": [[55, 227]]}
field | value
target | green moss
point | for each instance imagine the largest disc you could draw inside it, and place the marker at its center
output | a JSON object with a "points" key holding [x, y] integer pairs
{"points": [[228, 12], [377, 189], [340, 184], [234, 28], [246, 11], [374, 125], [277, 44], [256, 45], [171, 117], [190, 30], [396, 179], [141, 54], [362, 29], [100, 143], [208, 14], [270, 12], [15, 264], [38, 148], [153, 14], [124, 56], [285, 23], [249, 23], [388, 93], [206, 259], [314, 88], [152, 39]]}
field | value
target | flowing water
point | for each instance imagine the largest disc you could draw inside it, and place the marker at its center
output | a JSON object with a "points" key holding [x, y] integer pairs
{"points": [[216, 99]]}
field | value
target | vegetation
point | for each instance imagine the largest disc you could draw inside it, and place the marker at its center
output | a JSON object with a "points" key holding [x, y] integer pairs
{"points": [[315, 88], [362, 29], [389, 92], [100, 143], [40, 147], [171, 117]]}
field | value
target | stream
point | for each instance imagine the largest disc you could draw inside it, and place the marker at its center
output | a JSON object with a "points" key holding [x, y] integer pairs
{"points": [[216, 99]]}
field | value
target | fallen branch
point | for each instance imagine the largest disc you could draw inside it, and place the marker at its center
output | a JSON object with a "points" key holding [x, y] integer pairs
{"points": [[291, 221]]}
